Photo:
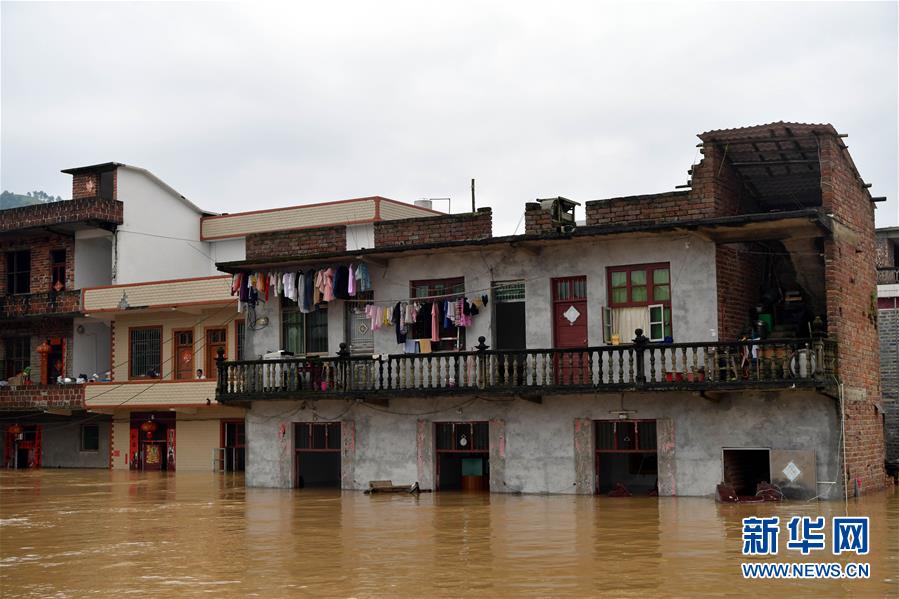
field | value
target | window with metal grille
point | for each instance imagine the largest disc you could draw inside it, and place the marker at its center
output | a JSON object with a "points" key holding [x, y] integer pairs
{"points": [[18, 355], [435, 290], [462, 436], [58, 270], [570, 289], [505, 292], [18, 272], [304, 333], [239, 336], [145, 357], [90, 437], [318, 436]]}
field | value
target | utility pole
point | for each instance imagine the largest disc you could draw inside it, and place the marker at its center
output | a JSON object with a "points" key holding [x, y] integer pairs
{"points": [[473, 209]]}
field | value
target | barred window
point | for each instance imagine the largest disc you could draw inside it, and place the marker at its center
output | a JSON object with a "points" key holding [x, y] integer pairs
{"points": [[145, 357]]}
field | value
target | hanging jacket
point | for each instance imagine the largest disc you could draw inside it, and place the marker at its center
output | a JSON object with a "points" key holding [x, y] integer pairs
{"points": [[341, 283], [424, 316], [397, 318], [308, 291]]}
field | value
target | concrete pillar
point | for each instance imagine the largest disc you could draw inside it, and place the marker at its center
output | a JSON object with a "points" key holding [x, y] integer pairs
{"points": [[584, 457], [666, 457], [425, 454], [497, 456], [347, 454]]}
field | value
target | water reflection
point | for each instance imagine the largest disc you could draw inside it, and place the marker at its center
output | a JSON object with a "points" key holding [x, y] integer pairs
{"points": [[71, 533]]}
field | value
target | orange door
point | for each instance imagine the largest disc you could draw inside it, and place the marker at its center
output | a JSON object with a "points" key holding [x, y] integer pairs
{"points": [[184, 354], [570, 330]]}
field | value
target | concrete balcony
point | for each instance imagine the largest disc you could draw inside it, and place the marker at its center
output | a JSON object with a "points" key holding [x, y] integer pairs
{"points": [[888, 276], [48, 303], [41, 397], [701, 367]]}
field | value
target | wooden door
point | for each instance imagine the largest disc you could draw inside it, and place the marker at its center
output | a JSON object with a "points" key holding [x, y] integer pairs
{"points": [[152, 451], [215, 339], [569, 296], [184, 354]]}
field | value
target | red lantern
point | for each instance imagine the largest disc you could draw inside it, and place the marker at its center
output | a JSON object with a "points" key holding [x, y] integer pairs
{"points": [[149, 427], [15, 429]]}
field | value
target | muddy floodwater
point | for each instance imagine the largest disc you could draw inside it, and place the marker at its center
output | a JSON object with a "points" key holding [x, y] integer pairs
{"points": [[66, 533]]}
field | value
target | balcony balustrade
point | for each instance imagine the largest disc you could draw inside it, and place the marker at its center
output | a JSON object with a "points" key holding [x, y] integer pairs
{"points": [[888, 276], [766, 364]]}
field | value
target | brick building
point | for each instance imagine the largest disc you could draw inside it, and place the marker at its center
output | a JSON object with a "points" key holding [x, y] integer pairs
{"points": [[753, 295], [888, 329]]}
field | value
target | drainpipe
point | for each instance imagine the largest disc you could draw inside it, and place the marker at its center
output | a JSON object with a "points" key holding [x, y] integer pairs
{"points": [[843, 440]]}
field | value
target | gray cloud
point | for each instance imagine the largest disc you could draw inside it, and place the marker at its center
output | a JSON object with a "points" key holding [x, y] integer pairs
{"points": [[242, 106]]}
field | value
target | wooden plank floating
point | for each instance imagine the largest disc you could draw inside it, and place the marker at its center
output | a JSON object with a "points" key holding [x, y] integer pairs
{"points": [[387, 486]]}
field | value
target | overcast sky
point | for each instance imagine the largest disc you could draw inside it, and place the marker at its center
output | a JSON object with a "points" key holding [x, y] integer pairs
{"points": [[247, 106]]}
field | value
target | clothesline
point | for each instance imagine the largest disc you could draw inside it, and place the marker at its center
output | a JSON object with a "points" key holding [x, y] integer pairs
{"points": [[323, 280]]}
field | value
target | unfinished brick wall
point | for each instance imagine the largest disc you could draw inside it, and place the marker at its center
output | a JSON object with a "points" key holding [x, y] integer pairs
{"points": [[716, 190], [42, 397], [38, 330], [537, 221], [851, 292], [57, 213], [435, 229], [299, 242], [41, 248], [884, 252], [739, 277]]}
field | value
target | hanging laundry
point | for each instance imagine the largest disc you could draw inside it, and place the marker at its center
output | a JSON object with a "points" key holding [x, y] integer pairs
{"points": [[435, 321], [351, 283], [363, 277], [411, 346], [424, 316], [308, 292], [424, 346], [341, 283], [397, 319]]}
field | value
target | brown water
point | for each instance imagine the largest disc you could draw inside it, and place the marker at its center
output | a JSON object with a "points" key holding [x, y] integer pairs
{"points": [[78, 533]]}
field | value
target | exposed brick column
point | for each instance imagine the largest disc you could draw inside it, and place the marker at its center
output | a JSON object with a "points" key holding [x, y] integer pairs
{"points": [[300, 242], [537, 221], [851, 291]]}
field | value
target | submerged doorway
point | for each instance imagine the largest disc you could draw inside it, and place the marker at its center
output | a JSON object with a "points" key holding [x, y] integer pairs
{"points": [[744, 469], [317, 463], [234, 443], [626, 456], [463, 456]]}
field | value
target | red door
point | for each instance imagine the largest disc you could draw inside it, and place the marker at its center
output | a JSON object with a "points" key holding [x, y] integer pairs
{"points": [[570, 330]]}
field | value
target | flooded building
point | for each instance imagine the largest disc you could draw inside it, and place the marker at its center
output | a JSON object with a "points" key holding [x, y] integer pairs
{"points": [[888, 328], [723, 332]]}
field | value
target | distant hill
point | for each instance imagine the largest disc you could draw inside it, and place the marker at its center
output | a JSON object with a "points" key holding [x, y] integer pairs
{"points": [[9, 199]]}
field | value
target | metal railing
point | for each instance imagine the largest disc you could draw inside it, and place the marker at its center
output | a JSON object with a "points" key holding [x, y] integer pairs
{"points": [[766, 363]]}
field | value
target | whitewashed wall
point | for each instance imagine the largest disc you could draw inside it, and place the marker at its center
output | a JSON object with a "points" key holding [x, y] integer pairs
{"points": [[693, 287]]}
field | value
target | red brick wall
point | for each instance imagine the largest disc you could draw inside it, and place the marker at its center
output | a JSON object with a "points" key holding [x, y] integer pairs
{"points": [[435, 229], [716, 191], [739, 277], [537, 220], [56, 213], [85, 185], [42, 397], [40, 259], [301, 242], [850, 281]]}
